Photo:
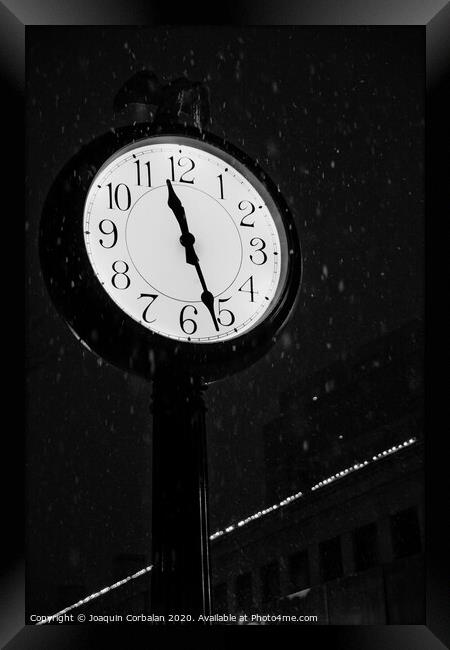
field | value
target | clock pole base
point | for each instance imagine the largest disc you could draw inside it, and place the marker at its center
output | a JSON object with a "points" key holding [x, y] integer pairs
{"points": [[180, 578]]}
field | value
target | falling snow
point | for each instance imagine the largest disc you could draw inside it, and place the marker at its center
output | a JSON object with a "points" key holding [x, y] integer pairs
{"points": [[339, 135]]}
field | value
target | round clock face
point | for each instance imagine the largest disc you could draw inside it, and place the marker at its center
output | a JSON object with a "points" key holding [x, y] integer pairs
{"points": [[185, 239]]}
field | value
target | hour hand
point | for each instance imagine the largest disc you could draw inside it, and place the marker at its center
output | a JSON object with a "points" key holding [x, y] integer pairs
{"points": [[187, 239], [175, 205]]}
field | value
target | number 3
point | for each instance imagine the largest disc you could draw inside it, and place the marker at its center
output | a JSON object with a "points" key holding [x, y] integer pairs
{"points": [[254, 242]]}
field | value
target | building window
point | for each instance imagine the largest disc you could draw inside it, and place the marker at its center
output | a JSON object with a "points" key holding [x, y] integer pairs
{"points": [[365, 546], [220, 600], [299, 571], [405, 533], [331, 559], [244, 599], [270, 582]]}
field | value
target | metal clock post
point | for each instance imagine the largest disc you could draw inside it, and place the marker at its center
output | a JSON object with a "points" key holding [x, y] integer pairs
{"points": [[180, 581], [180, 578]]}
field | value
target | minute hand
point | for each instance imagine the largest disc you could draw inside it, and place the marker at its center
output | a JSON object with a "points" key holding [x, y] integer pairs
{"points": [[187, 239], [207, 297]]}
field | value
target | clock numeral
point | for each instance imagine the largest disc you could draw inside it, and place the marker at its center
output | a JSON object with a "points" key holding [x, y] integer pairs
{"points": [[251, 291], [254, 242], [153, 297], [119, 273], [112, 232], [147, 173], [244, 205], [184, 320], [121, 198], [222, 311], [182, 162], [221, 185]]}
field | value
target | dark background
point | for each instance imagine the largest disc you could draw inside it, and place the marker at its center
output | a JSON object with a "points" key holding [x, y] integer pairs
{"points": [[335, 115]]}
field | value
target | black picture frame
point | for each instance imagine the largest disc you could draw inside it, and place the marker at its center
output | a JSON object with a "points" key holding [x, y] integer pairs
{"points": [[436, 24]]}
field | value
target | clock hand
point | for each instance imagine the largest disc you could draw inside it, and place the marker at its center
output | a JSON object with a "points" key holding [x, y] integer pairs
{"points": [[187, 240], [207, 297]]}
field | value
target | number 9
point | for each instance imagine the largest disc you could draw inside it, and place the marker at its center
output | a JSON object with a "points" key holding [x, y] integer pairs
{"points": [[108, 232]]}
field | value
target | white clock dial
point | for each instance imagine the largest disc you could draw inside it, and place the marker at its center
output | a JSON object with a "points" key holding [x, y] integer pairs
{"points": [[185, 239]]}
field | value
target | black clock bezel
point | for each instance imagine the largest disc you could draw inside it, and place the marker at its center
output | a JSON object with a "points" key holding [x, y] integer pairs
{"points": [[96, 320]]}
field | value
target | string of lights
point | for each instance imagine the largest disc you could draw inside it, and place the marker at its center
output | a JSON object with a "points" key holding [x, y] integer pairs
{"points": [[318, 486], [96, 594], [257, 515]]}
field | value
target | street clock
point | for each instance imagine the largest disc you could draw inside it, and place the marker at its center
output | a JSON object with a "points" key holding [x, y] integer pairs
{"points": [[185, 239], [168, 244]]}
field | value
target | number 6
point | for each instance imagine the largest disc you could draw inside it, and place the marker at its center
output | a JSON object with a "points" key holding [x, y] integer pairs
{"points": [[184, 320]]}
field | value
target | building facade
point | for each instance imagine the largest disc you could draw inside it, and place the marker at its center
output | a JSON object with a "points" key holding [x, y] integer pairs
{"points": [[343, 535]]}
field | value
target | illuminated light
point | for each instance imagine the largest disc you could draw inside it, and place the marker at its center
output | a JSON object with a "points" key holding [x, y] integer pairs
{"points": [[322, 483], [96, 594]]}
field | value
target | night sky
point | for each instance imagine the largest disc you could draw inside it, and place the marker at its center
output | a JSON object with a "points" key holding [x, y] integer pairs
{"points": [[335, 116]]}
